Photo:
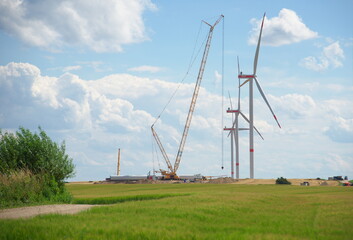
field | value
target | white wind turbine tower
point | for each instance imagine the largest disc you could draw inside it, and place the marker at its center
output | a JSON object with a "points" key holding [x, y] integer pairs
{"points": [[250, 79], [234, 130]]}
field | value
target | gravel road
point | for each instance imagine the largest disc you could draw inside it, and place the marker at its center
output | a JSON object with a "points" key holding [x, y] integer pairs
{"points": [[28, 212]]}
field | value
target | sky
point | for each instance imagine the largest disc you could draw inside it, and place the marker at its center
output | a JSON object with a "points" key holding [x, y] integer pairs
{"points": [[96, 74]]}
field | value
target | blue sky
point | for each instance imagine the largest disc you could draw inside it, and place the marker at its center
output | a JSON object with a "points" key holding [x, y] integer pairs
{"points": [[97, 73]]}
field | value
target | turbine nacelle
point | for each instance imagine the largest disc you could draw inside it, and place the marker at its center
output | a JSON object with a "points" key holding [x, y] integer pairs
{"points": [[232, 111], [246, 76]]}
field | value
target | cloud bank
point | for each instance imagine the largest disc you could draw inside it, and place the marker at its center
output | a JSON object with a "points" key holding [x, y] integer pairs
{"points": [[287, 28], [96, 117], [145, 68], [332, 55], [97, 25]]}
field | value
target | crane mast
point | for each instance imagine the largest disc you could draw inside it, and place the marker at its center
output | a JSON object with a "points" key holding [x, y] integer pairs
{"points": [[172, 173], [196, 93]]}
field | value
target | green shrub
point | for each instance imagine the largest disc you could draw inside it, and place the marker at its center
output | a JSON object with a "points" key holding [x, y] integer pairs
{"points": [[23, 187], [32, 168], [282, 180], [19, 187], [35, 152]]}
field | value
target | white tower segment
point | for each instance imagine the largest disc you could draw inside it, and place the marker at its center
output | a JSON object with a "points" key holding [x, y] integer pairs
{"points": [[250, 79]]}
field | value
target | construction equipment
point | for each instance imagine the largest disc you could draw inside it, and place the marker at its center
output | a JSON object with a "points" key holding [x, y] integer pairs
{"points": [[171, 174]]}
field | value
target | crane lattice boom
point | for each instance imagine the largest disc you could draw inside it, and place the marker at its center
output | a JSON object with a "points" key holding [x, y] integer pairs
{"points": [[195, 95], [161, 148], [172, 174]]}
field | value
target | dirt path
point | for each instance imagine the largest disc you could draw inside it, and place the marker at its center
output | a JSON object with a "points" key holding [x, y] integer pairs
{"points": [[27, 212]]}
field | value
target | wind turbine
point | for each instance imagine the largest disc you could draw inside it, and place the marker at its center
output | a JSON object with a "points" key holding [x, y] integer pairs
{"points": [[250, 78], [234, 130]]}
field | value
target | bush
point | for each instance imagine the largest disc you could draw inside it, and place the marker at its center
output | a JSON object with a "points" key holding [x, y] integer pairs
{"points": [[32, 168], [19, 187], [282, 180], [23, 187]]}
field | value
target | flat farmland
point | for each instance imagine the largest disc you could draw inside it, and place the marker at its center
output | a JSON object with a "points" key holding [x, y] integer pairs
{"points": [[197, 211]]}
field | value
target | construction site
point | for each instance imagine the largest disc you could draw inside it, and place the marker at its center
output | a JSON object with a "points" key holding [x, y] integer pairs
{"points": [[171, 173]]}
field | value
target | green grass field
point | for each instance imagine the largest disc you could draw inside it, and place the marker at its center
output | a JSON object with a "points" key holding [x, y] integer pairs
{"points": [[197, 211]]}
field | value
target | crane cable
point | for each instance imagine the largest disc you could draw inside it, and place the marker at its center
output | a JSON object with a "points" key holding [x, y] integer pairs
{"points": [[192, 61], [222, 94]]}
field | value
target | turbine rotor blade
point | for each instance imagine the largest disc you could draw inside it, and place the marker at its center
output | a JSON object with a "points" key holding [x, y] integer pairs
{"points": [[230, 101], [238, 84], [235, 120], [265, 99], [259, 133], [246, 119], [231, 107], [245, 82], [258, 45], [238, 65]]}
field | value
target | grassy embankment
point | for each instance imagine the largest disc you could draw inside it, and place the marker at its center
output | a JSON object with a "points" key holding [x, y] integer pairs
{"points": [[209, 211]]}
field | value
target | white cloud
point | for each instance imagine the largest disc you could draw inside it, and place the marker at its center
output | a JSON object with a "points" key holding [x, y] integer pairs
{"points": [[338, 107], [97, 66], [287, 28], [96, 117], [145, 68], [264, 127], [218, 77], [341, 130], [83, 104], [16, 79], [313, 64], [200, 122], [295, 105], [71, 68], [45, 89], [98, 25], [332, 55], [337, 164]]}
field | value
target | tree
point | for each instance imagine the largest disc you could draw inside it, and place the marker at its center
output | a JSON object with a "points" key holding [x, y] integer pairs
{"points": [[36, 153], [282, 180]]}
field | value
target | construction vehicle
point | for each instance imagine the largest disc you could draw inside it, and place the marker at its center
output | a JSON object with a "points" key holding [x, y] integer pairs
{"points": [[171, 173]]}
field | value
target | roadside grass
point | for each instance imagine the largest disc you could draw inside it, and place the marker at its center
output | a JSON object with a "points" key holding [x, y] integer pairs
{"points": [[202, 211]]}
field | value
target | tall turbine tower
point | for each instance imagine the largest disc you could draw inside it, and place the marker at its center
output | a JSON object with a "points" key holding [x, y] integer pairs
{"points": [[234, 131], [250, 78]]}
